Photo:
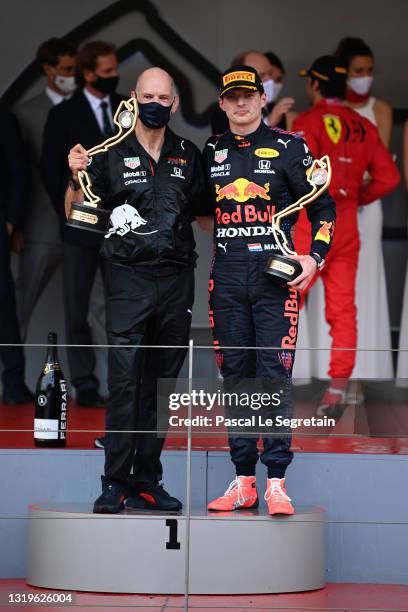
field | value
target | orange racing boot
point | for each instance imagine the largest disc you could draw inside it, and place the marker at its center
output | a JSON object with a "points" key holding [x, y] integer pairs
{"points": [[241, 493], [276, 498]]}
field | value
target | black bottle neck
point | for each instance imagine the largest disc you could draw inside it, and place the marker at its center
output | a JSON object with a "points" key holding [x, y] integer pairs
{"points": [[52, 352]]}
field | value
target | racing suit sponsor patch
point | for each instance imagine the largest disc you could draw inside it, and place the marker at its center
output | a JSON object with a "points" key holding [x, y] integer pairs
{"points": [[286, 359], [255, 247], [291, 312], [242, 190], [248, 213], [220, 170], [220, 156], [325, 232], [266, 152]]}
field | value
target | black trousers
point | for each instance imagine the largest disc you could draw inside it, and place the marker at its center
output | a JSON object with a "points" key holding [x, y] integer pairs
{"points": [[80, 265], [248, 309], [12, 357], [142, 308]]}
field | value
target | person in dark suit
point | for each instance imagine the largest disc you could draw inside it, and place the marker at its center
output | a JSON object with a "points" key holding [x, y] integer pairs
{"points": [[13, 196], [41, 255], [87, 117]]}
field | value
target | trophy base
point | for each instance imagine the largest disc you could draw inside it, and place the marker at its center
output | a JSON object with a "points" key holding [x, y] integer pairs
{"points": [[282, 269], [93, 219]]}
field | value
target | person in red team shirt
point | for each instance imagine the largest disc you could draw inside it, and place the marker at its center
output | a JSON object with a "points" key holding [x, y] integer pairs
{"points": [[354, 146]]}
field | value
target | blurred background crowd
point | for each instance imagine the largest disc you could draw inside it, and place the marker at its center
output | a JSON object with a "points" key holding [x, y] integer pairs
{"points": [[35, 245]]}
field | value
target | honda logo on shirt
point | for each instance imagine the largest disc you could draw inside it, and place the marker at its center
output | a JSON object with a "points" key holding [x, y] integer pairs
{"points": [[178, 173], [264, 164]]}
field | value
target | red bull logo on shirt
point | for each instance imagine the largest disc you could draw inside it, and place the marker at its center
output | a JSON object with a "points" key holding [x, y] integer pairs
{"points": [[245, 214], [242, 190]]}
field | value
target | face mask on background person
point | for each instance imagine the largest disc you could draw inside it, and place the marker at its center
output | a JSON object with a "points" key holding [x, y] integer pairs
{"points": [[66, 84], [154, 115], [360, 85], [272, 90], [106, 85]]}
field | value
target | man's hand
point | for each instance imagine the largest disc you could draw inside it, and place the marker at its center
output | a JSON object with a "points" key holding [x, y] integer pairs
{"points": [[78, 160], [280, 109], [10, 229], [309, 266]]}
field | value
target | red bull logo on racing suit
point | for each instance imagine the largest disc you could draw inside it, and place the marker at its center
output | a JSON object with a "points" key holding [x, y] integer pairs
{"points": [[242, 190], [291, 312]]}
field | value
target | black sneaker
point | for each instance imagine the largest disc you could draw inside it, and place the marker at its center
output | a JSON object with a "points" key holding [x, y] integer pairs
{"points": [[154, 497], [99, 442], [20, 395], [137, 503], [111, 501]]}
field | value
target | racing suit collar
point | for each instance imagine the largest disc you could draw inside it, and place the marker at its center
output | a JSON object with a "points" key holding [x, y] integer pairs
{"points": [[329, 102], [251, 138]]}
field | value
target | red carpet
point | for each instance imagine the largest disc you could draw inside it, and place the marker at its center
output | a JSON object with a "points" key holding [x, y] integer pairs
{"points": [[335, 597], [16, 431]]}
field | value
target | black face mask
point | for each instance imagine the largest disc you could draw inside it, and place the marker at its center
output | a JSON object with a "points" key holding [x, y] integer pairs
{"points": [[106, 85], [154, 115]]}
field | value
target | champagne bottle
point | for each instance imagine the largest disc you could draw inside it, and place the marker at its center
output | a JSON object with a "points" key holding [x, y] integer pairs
{"points": [[50, 422]]}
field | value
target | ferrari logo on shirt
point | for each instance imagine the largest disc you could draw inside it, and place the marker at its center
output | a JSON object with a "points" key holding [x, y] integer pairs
{"points": [[332, 124], [325, 232]]}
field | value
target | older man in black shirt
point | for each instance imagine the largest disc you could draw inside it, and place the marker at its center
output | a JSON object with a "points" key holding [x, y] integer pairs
{"points": [[154, 183]]}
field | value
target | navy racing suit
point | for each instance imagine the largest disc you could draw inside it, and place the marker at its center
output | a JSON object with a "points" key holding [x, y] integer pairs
{"points": [[248, 179]]}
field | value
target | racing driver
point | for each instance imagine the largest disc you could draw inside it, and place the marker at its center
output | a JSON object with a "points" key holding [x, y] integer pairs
{"points": [[251, 172], [354, 146]]}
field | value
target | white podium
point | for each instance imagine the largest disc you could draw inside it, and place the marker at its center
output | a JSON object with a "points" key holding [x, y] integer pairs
{"points": [[240, 552]]}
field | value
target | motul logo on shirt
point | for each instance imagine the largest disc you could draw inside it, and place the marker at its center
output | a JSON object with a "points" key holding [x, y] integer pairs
{"points": [[292, 313]]}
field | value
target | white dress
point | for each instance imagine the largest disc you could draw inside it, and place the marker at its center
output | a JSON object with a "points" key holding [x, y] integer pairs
{"points": [[402, 368], [373, 322]]}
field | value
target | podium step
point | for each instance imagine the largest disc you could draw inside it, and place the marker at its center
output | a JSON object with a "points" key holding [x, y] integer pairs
{"points": [[241, 552]]}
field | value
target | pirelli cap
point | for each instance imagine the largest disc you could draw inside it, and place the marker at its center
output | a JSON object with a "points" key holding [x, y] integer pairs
{"points": [[240, 76], [325, 68]]}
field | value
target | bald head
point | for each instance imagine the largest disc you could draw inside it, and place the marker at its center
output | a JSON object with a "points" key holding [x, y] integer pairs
{"points": [[260, 62], [157, 84]]}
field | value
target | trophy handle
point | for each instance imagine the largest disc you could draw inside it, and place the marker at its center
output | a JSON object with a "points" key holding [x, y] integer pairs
{"points": [[125, 119], [90, 199], [89, 215], [317, 189]]}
